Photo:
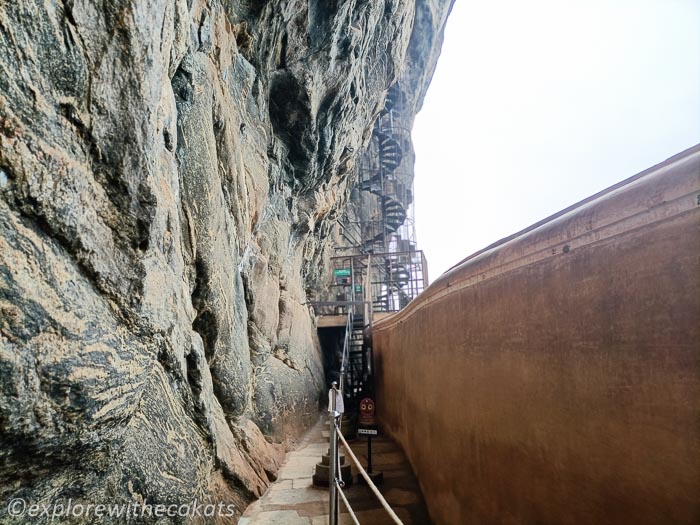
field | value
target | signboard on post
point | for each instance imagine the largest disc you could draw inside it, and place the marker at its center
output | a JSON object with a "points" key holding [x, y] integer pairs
{"points": [[367, 422], [367, 410], [367, 426]]}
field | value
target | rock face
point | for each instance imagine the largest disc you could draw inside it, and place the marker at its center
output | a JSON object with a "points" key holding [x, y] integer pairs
{"points": [[169, 172]]}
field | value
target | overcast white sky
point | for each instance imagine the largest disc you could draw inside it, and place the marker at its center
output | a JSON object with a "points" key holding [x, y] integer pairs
{"points": [[537, 104]]}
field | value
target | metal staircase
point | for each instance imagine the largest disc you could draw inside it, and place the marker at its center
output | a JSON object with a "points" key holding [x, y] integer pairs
{"points": [[377, 268], [395, 277], [358, 369], [384, 184]]}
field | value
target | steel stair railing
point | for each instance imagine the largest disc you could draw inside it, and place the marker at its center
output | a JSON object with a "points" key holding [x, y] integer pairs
{"points": [[346, 349]]}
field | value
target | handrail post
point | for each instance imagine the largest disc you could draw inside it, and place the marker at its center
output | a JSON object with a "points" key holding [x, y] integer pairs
{"points": [[333, 499], [368, 292], [346, 349]]}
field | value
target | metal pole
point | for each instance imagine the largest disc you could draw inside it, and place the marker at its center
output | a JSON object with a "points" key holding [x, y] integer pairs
{"points": [[368, 291], [369, 454], [352, 281], [333, 499]]}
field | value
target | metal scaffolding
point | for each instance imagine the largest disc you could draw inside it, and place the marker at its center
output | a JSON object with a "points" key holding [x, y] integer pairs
{"points": [[377, 261]]}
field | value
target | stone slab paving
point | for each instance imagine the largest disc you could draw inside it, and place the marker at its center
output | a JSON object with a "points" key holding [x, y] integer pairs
{"points": [[293, 500]]}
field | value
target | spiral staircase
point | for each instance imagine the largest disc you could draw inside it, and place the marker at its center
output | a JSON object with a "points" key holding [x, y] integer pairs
{"points": [[394, 278], [393, 211], [377, 269], [393, 199]]}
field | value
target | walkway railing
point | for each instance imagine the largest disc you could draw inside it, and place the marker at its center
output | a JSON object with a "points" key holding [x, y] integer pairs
{"points": [[336, 484], [346, 347]]}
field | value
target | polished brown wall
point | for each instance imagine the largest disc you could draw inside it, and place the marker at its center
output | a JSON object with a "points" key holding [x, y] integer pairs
{"points": [[555, 377]]}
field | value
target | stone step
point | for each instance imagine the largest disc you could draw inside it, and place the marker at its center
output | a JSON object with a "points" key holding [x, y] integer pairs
{"points": [[326, 458], [322, 475]]}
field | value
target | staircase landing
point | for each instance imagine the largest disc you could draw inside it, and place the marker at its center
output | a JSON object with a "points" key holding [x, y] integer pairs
{"points": [[293, 500], [339, 321]]}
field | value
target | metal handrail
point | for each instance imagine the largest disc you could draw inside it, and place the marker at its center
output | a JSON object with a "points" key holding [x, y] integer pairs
{"points": [[346, 349], [336, 484], [347, 503], [334, 457], [368, 480]]}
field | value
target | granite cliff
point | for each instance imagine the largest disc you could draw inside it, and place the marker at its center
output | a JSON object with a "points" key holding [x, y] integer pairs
{"points": [[169, 173]]}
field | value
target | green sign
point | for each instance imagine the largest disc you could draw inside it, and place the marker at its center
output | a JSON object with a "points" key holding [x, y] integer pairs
{"points": [[358, 287], [342, 272]]}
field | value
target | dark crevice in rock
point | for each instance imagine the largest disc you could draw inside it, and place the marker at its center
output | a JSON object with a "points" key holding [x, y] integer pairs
{"points": [[234, 480], [70, 113], [194, 375], [168, 140], [328, 113], [182, 85], [166, 359], [321, 19], [244, 39], [281, 352], [146, 213], [205, 323], [248, 10], [247, 292], [195, 363], [290, 114]]}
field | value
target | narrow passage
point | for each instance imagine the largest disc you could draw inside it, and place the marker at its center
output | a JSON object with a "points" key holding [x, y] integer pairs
{"points": [[293, 500]]}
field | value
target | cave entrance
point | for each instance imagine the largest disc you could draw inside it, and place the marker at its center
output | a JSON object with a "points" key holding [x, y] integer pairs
{"points": [[347, 353]]}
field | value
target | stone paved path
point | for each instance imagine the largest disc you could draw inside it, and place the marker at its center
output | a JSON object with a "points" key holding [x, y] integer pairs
{"points": [[293, 500]]}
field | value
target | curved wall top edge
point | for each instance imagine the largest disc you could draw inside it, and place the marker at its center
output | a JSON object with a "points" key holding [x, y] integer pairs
{"points": [[621, 207]]}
